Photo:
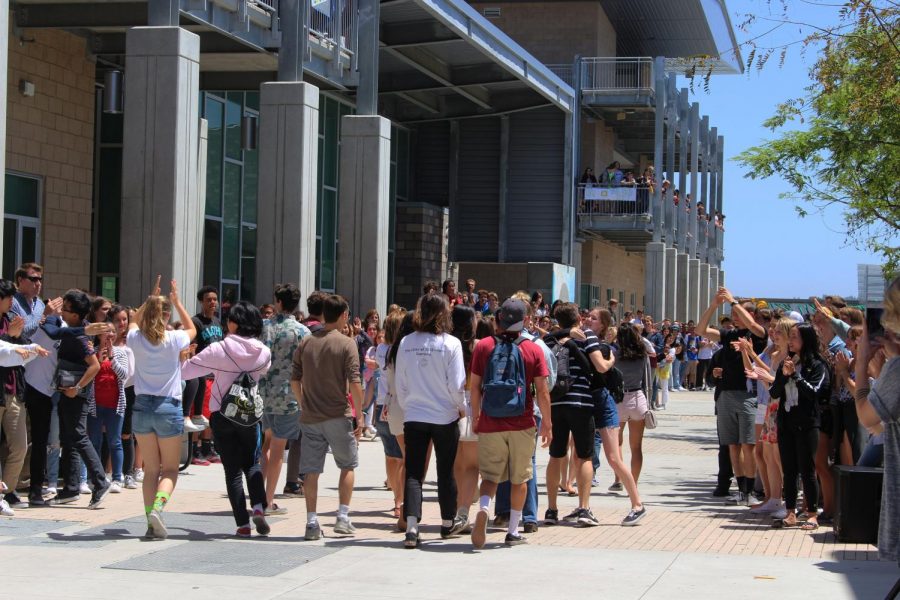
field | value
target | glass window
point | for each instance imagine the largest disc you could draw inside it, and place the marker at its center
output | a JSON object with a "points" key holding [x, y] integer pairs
{"points": [[230, 293], [22, 196], [233, 111], [216, 138], [109, 209], [402, 164], [251, 99], [10, 246], [331, 144], [248, 264], [329, 225], [212, 252], [231, 232]]}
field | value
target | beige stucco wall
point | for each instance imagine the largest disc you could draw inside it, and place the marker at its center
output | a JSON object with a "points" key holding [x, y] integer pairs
{"points": [[51, 135], [611, 267]]}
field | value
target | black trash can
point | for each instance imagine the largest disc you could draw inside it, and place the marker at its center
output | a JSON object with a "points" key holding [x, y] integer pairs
{"points": [[858, 503]]}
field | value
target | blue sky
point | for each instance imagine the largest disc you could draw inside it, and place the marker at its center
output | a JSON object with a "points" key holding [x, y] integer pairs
{"points": [[769, 250]]}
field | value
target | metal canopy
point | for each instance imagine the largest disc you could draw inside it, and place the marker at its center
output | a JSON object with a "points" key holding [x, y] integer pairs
{"points": [[440, 59], [694, 31]]}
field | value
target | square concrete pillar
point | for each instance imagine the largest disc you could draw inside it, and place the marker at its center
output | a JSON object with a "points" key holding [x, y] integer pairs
{"points": [[4, 27], [363, 213], [162, 209], [681, 291], [705, 293], [288, 184], [721, 283], [693, 295], [655, 280], [671, 296]]}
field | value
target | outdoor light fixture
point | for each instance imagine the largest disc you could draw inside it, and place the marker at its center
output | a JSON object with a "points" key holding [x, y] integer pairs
{"points": [[112, 92], [248, 132]]}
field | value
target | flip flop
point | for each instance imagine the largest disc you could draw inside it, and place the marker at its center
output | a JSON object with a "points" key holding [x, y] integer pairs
{"points": [[809, 526]]}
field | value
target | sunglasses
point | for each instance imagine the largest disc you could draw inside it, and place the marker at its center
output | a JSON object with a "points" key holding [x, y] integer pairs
{"points": [[35, 278]]}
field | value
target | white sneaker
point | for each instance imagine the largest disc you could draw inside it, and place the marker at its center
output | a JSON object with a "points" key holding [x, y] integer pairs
{"points": [[84, 488], [780, 512], [200, 421], [681, 389], [130, 483], [191, 427], [765, 508], [49, 491], [115, 487], [5, 510], [139, 475]]}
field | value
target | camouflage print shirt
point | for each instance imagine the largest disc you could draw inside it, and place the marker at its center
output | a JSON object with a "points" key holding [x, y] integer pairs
{"points": [[281, 335]]}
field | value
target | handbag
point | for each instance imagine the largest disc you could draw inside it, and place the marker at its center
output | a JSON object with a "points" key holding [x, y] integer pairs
{"points": [[68, 374], [649, 420]]}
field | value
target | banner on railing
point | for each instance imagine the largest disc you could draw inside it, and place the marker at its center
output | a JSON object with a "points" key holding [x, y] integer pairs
{"points": [[628, 194]]}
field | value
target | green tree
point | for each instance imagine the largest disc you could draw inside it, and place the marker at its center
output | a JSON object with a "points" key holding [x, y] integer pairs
{"points": [[840, 143]]}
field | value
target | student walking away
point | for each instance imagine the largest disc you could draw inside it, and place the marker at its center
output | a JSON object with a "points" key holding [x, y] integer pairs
{"points": [[236, 364], [281, 413], [77, 365], [430, 380], [158, 421], [801, 386], [572, 414], [504, 415], [878, 404], [325, 365], [736, 403]]}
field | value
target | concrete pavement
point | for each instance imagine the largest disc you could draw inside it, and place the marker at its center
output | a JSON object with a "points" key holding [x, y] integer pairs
{"points": [[689, 545]]}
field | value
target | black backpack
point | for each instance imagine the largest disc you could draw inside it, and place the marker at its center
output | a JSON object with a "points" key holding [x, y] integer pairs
{"points": [[564, 377], [612, 380]]}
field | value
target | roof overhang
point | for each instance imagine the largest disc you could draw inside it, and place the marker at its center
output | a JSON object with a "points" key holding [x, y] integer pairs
{"points": [[440, 59], [698, 32]]}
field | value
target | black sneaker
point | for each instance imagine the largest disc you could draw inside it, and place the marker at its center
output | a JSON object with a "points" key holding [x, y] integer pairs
{"points": [[292, 489], [634, 516], [36, 501], [722, 491], [574, 515], [14, 501], [514, 539], [412, 540], [587, 518], [530, 527], [551, 517], [61, 499], [98, 495], [455, 527], [501, 520]]}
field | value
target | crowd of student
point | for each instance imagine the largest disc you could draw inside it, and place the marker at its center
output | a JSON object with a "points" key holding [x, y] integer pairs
{"points": [[466, 379]]}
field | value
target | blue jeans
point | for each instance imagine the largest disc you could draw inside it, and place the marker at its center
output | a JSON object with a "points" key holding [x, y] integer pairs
{"points": [[112, 422], [675, 379], [872, 455], [530, 510]]}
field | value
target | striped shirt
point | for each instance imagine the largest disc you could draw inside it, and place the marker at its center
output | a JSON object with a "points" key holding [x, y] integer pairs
{"points": [[580, 392]]}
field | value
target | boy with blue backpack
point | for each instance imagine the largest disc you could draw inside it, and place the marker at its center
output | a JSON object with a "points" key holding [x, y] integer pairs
{"points": [[507, 371]]}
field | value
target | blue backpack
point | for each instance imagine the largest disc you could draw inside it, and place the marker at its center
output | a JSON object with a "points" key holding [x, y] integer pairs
{"points": [[503, 388]]}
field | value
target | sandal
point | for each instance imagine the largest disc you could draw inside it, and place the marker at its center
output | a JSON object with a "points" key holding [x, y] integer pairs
{"points": [[398, 512], [809, 526]]}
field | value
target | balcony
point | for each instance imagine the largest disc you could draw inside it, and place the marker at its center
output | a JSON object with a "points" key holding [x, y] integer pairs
{"points": [[619, 214], [617, 82]]}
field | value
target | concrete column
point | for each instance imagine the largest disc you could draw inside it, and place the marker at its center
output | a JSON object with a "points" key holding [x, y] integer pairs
{"points": [[681, 289], [655, 280], [288, 185], [4, 55], [721, 275], [363, 212], [684, 110], [705, 294], [656, 203], [693, 293], [162, 211], [671, 294]]}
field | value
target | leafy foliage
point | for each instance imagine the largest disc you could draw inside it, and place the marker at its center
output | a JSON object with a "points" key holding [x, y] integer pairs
{"points": [[848, 152]]}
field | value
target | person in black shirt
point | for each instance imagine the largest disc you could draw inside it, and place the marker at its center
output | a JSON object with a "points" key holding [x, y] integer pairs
{"points": [[77, 355], [736, 405], [209, 330]]}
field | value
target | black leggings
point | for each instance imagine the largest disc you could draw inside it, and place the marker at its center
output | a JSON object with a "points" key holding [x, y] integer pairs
{"points": [[417, 437], [40, 410], [702, 366], [194, 393], [797, 448], [239, 448]]}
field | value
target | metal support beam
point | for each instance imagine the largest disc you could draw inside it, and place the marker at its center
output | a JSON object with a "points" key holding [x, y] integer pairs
{"points": [[163, 13], [81, 16], [367, 52], [569, 213], [426, 103], [713, 190], [502, 231], [694, 180], [294, 39], [4, 57], [656, 205], [425, 62], [684, 109], [671, 118], [704, 188], [720, 167]]}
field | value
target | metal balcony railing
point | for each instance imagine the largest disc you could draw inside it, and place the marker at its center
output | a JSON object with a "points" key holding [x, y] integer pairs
{"points": [[564, 72], [617, 75], [333, 23], [266, 5], [613, 200]]}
